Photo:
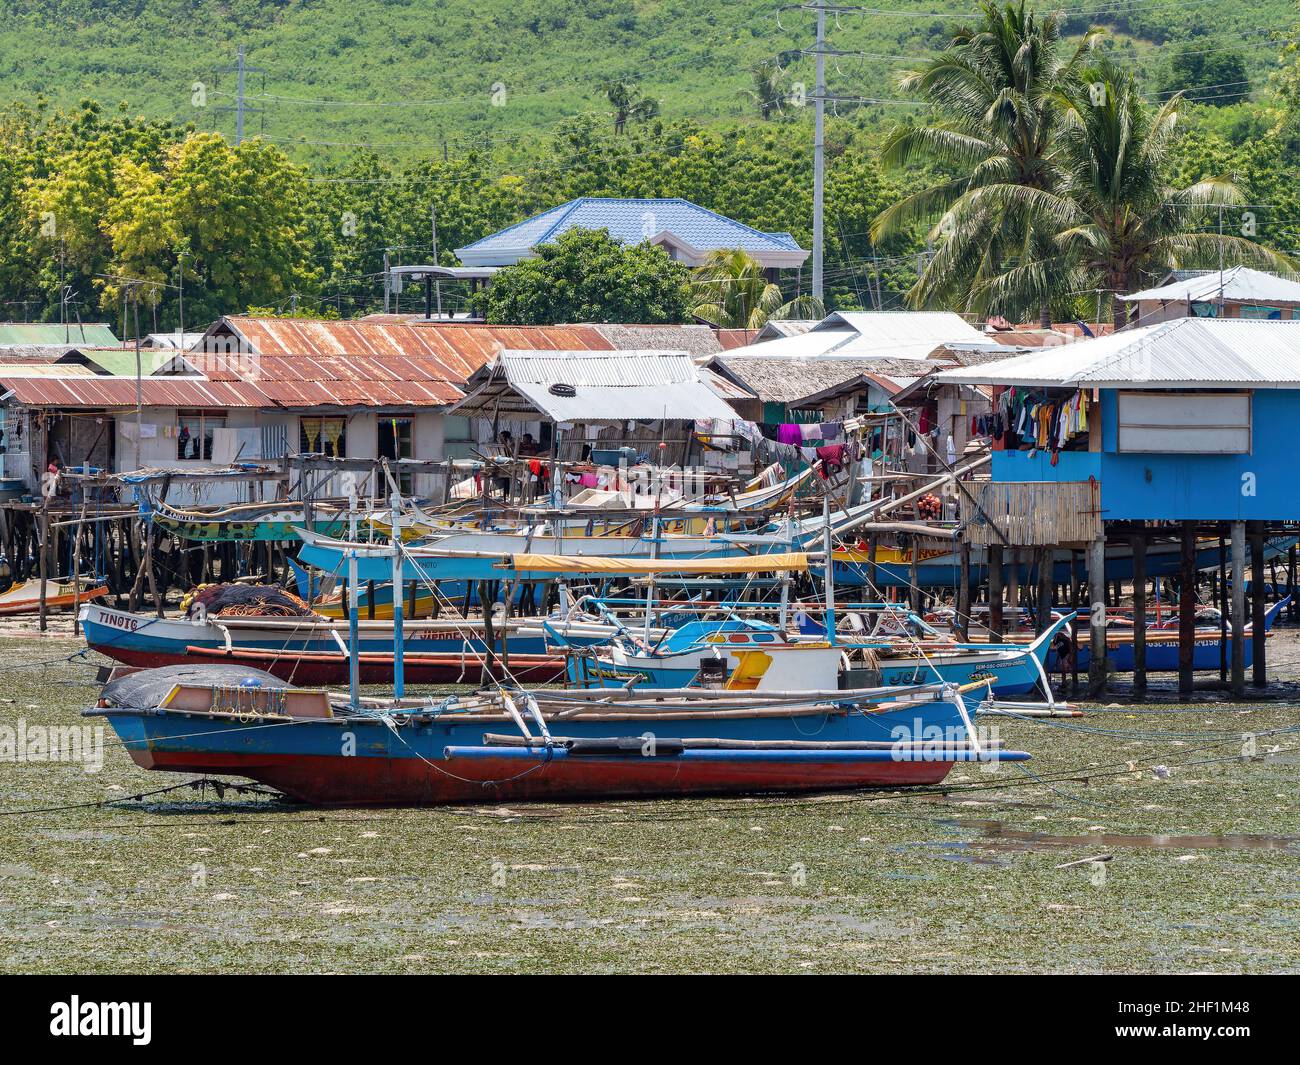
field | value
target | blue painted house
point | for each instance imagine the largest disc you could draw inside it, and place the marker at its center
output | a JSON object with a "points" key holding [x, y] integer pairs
{"points": [[1188, 419], [687, 231]]}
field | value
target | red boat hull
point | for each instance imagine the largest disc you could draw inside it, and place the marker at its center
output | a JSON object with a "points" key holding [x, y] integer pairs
{"points": [[338, 781], [311, 669]]}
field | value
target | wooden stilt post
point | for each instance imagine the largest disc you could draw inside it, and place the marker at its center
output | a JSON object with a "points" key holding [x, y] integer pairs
{"points": [[44, 557], [963, 592], [1258, 604], [995, 592], [137, 583], [1097, 616], [1043, 607], [489, 637], [1186, 609], [76, 568], [1238, 607], [149, 545], [1140, 615], [1222, 600], [1291, 608], [1013, 588]]}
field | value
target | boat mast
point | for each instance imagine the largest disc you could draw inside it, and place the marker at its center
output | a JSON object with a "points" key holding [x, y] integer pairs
{"points": [[399, 670]]}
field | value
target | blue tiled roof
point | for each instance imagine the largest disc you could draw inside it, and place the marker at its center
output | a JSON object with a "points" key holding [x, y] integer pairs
{"points": [[632, 221]]}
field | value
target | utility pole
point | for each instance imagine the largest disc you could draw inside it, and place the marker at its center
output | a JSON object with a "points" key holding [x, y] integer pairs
{"points": [[433, 236], [241, 108], [63, 294], [819, 152], [1220, 260], [819, 51]]}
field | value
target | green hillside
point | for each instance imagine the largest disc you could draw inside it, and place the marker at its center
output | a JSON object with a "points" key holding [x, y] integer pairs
{"points": [[410, 76]]}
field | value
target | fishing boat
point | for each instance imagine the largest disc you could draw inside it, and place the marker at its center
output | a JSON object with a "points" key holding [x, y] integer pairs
{"points": [[762, 656], [314, 649], [24, 597], [514, 745], [940, 567], [478, 555], [247, 521], [601, 512], [1210, 649]]}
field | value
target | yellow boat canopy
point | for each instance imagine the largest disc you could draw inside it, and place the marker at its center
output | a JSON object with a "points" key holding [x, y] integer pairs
{"points": [[596, 564]]}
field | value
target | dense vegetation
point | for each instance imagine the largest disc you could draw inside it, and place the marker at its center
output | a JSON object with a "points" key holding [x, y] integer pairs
{"points": [[122, 202]]}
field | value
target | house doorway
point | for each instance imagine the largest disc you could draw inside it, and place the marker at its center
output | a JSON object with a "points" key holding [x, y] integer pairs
{"points": [[397, 442]]}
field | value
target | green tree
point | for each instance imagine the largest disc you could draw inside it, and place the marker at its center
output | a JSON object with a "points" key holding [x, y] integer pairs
{"points": [[629, 103], [587, 276], [996, 135], [234, 218], [1127, 225], [768, 93], [1206, 75], [731, 291]]}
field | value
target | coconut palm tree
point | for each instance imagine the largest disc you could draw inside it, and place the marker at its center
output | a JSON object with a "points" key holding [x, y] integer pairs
{"points": [[1129, 225], [767, 93], [996, 126], [729, 290], [629, 103]]}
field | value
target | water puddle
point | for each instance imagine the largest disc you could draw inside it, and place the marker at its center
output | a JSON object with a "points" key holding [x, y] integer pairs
{"points": [[996, 835]]}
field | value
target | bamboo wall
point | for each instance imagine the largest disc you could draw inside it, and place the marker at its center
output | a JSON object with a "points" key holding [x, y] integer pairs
{"points": [[1032, 513]]}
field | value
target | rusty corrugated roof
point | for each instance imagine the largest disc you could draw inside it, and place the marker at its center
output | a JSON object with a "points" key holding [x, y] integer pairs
{"points": [[460, 347], [100, 391]]}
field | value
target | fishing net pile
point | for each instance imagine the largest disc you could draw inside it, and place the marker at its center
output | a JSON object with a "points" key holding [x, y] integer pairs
{"points": [[244, 601]]}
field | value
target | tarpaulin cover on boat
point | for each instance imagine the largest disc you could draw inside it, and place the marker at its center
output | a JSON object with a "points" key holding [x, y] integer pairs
{"points": [[147, 688], [591, 564]]}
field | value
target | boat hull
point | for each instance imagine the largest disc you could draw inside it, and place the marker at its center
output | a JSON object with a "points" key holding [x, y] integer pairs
{"points": [[942, 569], [315, 669], [366, 762], [143, 639]]}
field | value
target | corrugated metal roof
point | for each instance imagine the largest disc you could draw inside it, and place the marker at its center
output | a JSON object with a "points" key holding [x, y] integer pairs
{"points": [[176, 341], [904, 334], [785, 327], [43, 354], [40, 369], [461, 347], [100, 391], [699, 340], [887, 334], [630, 221], [28, 334], [1181, 353], [1240, 284], [788, 380], [607, 385]]}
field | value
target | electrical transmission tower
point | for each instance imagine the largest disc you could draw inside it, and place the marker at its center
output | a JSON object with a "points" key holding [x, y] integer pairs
{"points": [[241, 108], [820, 97]]}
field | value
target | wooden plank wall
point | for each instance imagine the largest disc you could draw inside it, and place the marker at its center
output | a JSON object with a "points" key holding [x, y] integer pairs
{"points": [[1032, 513]]}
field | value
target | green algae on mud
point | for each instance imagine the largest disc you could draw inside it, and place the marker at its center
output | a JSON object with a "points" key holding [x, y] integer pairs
{"points": [[864, 882]]}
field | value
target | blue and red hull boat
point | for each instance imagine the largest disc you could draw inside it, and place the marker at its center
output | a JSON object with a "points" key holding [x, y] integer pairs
{"points": [[452, 751]]}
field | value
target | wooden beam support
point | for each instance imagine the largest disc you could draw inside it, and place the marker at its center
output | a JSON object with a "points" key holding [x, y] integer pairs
{"points": [[1140, 615], [1186, 609], [1097, 617]]}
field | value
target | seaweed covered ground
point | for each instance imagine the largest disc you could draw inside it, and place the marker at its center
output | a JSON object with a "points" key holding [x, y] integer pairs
{"points": [[1203, 876]]}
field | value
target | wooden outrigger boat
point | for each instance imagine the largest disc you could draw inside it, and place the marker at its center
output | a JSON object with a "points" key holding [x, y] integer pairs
{"points": [[249, 521], [25, 596], [569, 745], [763, 656], [301, 648]]}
